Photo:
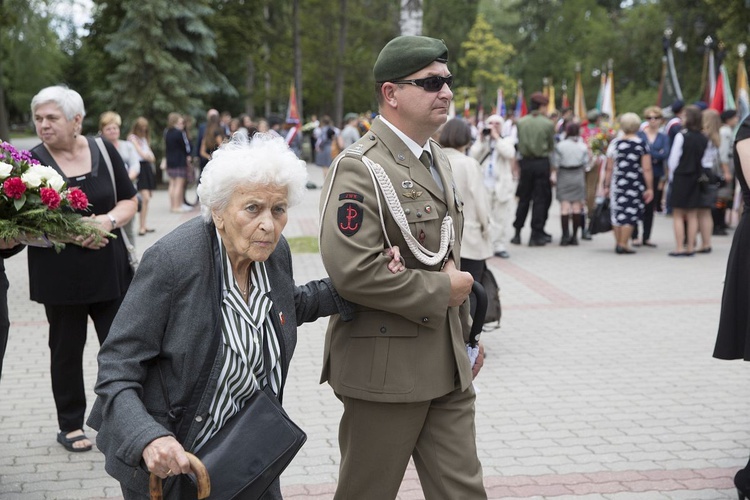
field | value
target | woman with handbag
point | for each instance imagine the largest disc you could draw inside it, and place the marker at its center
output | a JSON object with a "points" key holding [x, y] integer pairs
{"points": [[687, 159], [88, 278], [628, 181], [211, 319], [711, 125]]}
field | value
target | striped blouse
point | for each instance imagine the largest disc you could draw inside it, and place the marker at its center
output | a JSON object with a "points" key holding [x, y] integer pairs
{"points": [[244, 327]]}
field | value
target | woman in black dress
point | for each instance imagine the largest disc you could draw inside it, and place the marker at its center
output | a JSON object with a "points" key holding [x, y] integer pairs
{"points": [[88, 278], [686, 162], [733, 339]]}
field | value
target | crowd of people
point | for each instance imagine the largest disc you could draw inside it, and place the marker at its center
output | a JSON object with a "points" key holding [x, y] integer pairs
{"points": [[681, 167], [219, 331]]}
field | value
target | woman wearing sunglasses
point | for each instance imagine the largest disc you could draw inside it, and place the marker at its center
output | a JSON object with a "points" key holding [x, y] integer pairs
{"points": [[658, 144]]}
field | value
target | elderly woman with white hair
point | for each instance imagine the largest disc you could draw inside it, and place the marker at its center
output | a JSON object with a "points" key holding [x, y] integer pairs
{"points": [[88, 278], [628, 181], [171, 373]]}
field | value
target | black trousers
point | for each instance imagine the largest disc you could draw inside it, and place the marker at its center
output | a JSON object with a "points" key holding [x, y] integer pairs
{"points": [[533, 187], [648, 220], [67, 338], [4, 319]]}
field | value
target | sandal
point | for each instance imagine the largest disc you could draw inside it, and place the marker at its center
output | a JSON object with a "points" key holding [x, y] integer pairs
{"points": [[68, 442]]}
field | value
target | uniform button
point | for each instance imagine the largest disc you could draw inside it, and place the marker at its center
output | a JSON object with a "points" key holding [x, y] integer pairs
{"points": [[425, 320], [372, 137], [401, 157], [419, 214], [199, 419], [407, 211], [383, 329]]}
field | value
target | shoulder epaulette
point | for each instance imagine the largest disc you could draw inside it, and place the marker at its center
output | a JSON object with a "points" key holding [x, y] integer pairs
{"points": [[359, 148]]}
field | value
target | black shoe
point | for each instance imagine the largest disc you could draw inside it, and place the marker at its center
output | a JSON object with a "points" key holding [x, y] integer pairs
{"points": [[742, 482], [565, 241], [502, 254], [537, 241], [719, 231], [516, 240], [573, 241], [623, 251], [585, 234], [547, 237]]}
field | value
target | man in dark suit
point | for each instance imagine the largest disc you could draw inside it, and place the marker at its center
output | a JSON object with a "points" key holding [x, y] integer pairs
{"points": [[401, 368]]}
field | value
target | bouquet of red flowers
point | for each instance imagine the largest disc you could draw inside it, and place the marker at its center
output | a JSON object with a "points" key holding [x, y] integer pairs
{"points": [[36, 207]]}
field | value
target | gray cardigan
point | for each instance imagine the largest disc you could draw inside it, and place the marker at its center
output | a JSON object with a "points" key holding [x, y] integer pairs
{"points": [[170, 319]]}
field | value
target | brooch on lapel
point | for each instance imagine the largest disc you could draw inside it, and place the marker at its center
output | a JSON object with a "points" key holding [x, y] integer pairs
{"points": [[412, 194], [282, 319]]}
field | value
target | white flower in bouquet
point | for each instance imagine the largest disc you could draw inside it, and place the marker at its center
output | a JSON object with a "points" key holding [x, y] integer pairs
{"points": [[5, 169]]}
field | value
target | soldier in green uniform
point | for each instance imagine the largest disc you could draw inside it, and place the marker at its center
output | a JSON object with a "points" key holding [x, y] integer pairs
{"points": [[400, 367]]}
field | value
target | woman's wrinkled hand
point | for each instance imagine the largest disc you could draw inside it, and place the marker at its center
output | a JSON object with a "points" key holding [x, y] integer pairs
{"points": [[166, 457], [396, 264], [8, 244], [91, 242]]}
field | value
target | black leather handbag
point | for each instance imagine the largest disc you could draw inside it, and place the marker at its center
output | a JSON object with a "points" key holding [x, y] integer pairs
{"points": [[253, 448], [601, 221]]}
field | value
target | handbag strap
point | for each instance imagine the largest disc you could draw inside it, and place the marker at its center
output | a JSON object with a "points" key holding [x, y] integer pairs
{"points": [[108, 161]]}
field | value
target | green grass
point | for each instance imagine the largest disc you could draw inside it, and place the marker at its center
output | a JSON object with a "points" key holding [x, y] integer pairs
{"points": [[303, 244]]}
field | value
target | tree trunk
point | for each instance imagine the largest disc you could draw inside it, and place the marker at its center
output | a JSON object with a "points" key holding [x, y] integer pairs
{"points": [[338, 105], [411, 17], [4, 127], [267, 107], [297, 59], [250, 87]]}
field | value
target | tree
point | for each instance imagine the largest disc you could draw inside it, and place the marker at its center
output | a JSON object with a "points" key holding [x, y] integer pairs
{"points": [[451, 21], [30, 57], [485, 58], [165, 55], [411, 17]]}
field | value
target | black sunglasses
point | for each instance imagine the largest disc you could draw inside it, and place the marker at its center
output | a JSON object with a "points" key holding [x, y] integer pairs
{"points": [[431, 83], [653, 117]]}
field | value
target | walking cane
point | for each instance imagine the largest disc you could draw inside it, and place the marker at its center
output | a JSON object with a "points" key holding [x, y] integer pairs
{"points": [[197, 468]]}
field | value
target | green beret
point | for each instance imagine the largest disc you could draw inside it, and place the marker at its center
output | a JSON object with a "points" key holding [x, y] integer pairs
{"points": [[405, 55]]}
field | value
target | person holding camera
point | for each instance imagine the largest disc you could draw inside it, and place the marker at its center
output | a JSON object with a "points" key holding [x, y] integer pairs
{"points": [[497, 154]]}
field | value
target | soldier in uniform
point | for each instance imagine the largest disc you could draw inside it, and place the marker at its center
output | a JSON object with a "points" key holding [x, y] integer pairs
{"points": [[400, 367]]}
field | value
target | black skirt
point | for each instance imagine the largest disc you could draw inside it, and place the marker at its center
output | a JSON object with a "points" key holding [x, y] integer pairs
{"points": [[686, 191], [733, 338], [146, 179]]}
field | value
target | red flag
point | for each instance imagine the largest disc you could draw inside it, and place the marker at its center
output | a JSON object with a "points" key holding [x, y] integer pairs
{"points": [[292, 115], [521, 109], [717, 102]]}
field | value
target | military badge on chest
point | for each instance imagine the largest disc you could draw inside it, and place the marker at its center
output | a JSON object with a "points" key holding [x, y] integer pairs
{"points": [[349, 217]]}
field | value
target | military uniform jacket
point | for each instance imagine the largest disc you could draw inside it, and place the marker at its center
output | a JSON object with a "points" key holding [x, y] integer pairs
{"points": [[405, 344]]}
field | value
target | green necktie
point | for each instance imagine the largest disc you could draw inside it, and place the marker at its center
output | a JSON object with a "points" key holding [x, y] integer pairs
{"points": [[425, 159]]}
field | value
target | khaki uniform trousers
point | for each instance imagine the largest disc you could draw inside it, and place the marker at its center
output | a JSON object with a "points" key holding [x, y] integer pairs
{"points": [[377, 439]]}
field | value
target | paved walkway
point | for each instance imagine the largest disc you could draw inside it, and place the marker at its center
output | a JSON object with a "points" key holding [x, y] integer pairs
{"points": [[600, 384]]}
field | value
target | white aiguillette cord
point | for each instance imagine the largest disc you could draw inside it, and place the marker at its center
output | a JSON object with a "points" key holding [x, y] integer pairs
{"points": [[380, 179]]}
